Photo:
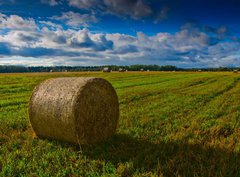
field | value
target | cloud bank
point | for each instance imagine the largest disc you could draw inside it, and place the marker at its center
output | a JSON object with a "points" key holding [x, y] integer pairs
{"points": [[29, 41]]}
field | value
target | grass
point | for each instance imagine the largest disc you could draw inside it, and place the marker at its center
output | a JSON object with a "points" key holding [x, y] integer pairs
{"points": [[171, 124]]}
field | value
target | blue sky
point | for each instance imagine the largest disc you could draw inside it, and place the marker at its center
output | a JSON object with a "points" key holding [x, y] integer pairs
{"points": [[184, 33]]}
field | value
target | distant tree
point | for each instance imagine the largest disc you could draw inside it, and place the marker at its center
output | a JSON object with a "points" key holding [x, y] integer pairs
{"points": [[17, 69], [12, 69]]}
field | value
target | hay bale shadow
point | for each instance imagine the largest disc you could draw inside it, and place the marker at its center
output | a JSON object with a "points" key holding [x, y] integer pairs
{"points": [[163, 158], [170, 159]]}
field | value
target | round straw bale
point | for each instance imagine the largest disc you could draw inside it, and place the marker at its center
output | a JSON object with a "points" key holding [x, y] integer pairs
{"points": [[77, 110]]}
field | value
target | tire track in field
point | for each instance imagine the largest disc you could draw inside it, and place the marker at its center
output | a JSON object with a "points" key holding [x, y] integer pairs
{"points": [[14, 98], [182, 111], [15, 103], [129, 78], [143, 84], [139, 84], [198, 84], [203, 104], [146, 95], [224, 91]]}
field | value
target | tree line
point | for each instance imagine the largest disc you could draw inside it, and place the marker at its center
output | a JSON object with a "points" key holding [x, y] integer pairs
{"points": [[23, 69]]}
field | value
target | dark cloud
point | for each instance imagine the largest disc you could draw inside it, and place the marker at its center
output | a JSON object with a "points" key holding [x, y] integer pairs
{"points": [[26, 52], [45, 52], [220, 33], [133, 8], [104, 44], [126, 49], [34, 52], [59, 39], [214, 30], [28, 37]]}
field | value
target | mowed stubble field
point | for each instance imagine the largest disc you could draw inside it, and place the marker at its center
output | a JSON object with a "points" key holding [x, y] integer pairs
{"points": [[171, 124]]}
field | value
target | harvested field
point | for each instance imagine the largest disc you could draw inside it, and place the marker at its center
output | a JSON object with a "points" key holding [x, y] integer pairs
{"points": [[170, 124]]}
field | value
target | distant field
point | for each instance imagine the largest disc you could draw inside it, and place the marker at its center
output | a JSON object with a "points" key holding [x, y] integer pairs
{"points": [[171, 124]]}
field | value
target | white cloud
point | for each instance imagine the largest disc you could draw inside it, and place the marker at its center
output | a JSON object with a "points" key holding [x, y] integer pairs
{"points": [[50, 25], [84, 4], [15, 22], [19, 39], [72, 42], [77, 20], [51, 2]]}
